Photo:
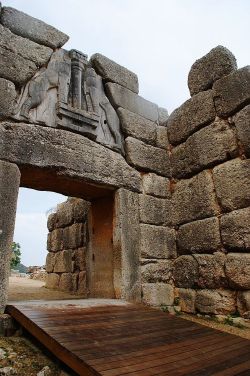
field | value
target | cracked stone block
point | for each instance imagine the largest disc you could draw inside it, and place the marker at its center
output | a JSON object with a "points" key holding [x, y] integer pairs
{"points": [[219, 62], [217, 302]]}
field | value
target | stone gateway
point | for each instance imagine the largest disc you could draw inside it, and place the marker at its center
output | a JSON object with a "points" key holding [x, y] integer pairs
{"points": [[159, 206]]}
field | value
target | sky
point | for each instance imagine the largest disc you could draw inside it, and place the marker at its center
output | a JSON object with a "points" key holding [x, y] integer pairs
{"points": [[159, 40]]}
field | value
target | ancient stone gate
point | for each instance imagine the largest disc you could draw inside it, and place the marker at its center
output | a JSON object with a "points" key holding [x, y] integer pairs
{"points": [[174, 190]]}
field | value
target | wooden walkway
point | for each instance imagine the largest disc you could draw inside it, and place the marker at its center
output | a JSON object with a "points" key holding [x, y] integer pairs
{"points": [[133, 340]]}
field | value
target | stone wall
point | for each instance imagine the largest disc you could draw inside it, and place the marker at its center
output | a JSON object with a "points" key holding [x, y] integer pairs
{"points": [[67, 242]]}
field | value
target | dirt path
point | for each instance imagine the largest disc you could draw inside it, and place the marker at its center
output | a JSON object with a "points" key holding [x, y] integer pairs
{"points": [[23, 288]]}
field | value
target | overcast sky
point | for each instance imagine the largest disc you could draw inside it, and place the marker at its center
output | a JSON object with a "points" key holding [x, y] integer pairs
{"points": [[157, 39]]}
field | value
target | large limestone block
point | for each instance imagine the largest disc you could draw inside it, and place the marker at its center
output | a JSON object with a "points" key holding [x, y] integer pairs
{"points": [[52, 281], [242, 123], [202, 236], [74, 236], [204, 72], [9, 186], [191, 116], [237, 270], [7, 97], [207, 147], [162, 137], [65, 214], [146, 157], [32, 28], [232, 182], [137, 126], [63, 262], [79, 257], [50, 262], [194, 199], [155, 211], [187, 300], [66, 282], [122, 97], [231, 93], [157, 242], [153, 272], [211, 269], [68, 155], [80, 210], [157, 294], [217, 302], [185, 272], [235, 230], [55, 240], [156, 185], [113, 72], [127, 276], [52, 221]]}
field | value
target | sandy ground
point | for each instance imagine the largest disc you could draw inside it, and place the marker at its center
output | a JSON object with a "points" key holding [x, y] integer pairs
{"points": [[23, 288]]}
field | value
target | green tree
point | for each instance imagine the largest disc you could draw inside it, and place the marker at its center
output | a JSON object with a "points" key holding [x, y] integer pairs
{"points": [[16, 255]]}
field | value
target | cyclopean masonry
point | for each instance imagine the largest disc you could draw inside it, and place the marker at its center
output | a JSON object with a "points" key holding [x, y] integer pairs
{"points": [[163, 206]]}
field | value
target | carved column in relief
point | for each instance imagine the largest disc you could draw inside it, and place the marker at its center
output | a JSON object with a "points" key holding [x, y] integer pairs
{"points": [[78, 60]]}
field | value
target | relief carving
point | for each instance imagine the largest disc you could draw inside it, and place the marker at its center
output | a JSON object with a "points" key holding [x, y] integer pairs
{"points": [[69, 94]]}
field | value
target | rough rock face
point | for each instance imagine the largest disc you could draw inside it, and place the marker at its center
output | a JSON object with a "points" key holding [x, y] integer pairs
{"points": [[155, 211], [157, 242], [32, 28], [237, 269], [155, 185], [187, 300], [235, 230], [204, 72], [241, 121], [191, 116], [113, 72], [185, 272], [218, 302], [157, 294], [7, 97], [211, 269]]}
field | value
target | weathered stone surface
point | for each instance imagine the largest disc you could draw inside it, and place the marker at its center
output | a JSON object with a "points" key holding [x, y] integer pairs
{"points": [[32, 28], [65, 214], [51, 221], [9, 186], [80, 210], [194, 199], [243, 302], [7, 97], [187, 300], [137, 126], [207, 147], [155, 185], [162, 137], [218, 302], [153, 272], [157, 294], [185, 272], [191, 116], [146, 157], [82, 288], [80, 259], [52, 281], [155, 211], [211, 270], [231, 93], [66, 283], [237, 269], [63, 262], [74, 236], [55, 240], [232, 182], [202, 236], [242, 124], [72, 157], [122, 97], [204, 72], [50, 262], [157, 242], [163, 116], [235, 230], [113, 72], [127, 276]]}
